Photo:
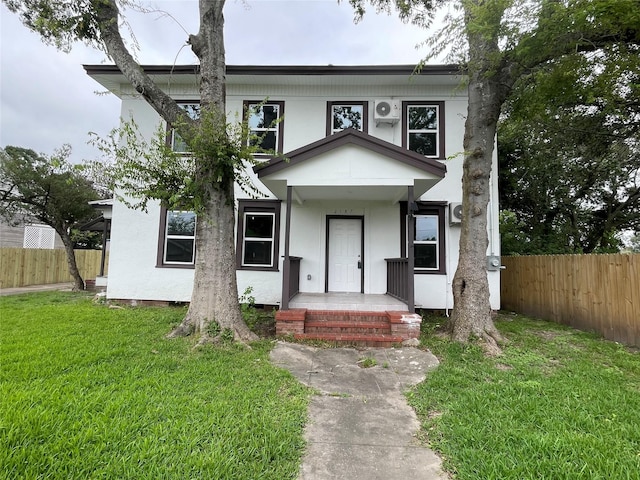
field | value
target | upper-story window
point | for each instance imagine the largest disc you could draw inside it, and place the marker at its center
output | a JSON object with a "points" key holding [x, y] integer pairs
{"points": [[423, 128], [177, 143], [265, 124], [343, 115], [177, 246]]}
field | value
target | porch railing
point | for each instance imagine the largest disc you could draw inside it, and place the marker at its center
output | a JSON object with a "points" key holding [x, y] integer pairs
{"points": [[398, 278], [294, 276]]}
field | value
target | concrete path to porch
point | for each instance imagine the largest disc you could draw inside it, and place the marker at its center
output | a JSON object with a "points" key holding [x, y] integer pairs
{"points": [[360, 425]]}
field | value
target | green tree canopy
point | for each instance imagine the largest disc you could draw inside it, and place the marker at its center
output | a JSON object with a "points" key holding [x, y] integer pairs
{"points": [[206, 183], [569, 151], [49, 189], [500, 42]]}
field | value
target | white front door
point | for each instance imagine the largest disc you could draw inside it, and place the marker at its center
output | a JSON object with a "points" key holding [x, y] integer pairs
{"points": [[345, 255]]}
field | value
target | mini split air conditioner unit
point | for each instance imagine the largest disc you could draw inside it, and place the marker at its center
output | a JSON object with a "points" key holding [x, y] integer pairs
{"points": [[455, 213], [386, 111]]}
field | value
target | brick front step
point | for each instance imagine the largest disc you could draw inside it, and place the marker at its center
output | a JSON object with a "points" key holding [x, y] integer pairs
{"points": [[354, 316], [366, 328], [361, 339], [329, 326]]}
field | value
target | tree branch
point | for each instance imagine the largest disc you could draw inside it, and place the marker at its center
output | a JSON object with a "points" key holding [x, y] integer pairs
{"points": [[107, 14], [539, 47]]}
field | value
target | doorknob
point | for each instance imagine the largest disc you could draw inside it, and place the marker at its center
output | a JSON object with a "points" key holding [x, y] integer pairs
{"points": [[359, 265]]}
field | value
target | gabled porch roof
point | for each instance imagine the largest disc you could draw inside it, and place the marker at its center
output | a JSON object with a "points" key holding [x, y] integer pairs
{"points": [[350, 165]]}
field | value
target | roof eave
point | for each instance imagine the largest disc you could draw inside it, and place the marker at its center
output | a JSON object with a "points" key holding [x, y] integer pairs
{"points": [[355, 137]]}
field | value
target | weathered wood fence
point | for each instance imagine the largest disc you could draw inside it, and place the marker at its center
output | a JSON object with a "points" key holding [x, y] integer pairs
{"points": [[21, 267], [598, 293]]}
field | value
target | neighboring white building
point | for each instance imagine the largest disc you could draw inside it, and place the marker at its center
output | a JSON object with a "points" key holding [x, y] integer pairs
{"points": [[357, 199]]}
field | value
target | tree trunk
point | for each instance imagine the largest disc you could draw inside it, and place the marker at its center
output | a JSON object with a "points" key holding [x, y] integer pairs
{"points": [[215, 291], [78, 282], [471, 316]]}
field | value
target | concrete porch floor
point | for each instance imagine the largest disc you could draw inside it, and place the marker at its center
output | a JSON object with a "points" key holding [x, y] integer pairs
{"points": [[347, 301]]}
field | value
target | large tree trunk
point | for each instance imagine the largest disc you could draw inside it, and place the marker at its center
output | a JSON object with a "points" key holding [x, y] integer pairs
{"points": [[472, 311], [215, 292]]}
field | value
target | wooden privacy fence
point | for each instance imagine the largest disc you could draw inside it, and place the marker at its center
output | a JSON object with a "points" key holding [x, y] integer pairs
{"points": [[598, 293], [21, 267]]}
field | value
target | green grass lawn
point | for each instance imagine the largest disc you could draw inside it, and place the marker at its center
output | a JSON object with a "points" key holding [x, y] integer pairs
{"points": [[89, 392], [558, 404]]}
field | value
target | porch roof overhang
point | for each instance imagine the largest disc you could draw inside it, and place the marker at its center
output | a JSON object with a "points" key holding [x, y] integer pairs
{"points": [[350, 165]]}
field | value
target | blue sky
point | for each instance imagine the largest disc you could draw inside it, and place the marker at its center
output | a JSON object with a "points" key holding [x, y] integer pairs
{"points": [[48, 100]]}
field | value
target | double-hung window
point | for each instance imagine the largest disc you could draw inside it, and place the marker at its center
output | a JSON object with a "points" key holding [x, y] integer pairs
{"points": [[258, 234], [178, 238], [265, 124], [425, 245], [428, 219], [192, 109], [423, 128], [343, 115]]}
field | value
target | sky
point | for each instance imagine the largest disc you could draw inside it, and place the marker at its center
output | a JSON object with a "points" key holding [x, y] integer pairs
{"points": [[47, 99]]}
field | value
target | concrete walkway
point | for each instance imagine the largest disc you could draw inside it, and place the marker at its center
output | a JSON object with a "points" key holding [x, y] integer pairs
{"points": [[37, 288], [360, 426]]}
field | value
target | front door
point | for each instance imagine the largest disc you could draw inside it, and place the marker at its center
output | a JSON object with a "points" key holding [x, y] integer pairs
{"points": [[344, 256]]}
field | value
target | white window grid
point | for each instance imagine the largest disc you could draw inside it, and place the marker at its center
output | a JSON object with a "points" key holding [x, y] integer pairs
{"points": [[168, 237], [426, 130], [430, 242]]}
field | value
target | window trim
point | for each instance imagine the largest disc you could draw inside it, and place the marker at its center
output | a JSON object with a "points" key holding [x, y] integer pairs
{"points": [[246, 105], [171, 131], [426, 208], [261, 207], [365, 114], [440, 136], [162, 240], [435, 242], [246, 238]]}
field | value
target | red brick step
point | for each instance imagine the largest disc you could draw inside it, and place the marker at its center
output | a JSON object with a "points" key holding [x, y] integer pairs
{"points": [[380, 329], [329, 326], [361, 339]]}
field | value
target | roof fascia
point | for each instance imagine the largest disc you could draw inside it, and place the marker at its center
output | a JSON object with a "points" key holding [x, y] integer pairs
{"points": [[448, 69]]}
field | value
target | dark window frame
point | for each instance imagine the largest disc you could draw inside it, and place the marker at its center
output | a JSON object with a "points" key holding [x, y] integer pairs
{"points": [[365, 114], [162, 239], [171, 131], [426, 208], [441, 147], [258, 206], [247, 104]]}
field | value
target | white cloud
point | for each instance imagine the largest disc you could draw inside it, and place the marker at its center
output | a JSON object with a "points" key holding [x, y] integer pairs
{"points": [[47, 99]]}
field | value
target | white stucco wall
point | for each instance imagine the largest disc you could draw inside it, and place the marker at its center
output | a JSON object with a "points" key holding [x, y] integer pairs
{"points": [[134, 242], [132, 261]]}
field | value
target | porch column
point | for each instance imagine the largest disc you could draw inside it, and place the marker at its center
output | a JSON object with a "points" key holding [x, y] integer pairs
{"points": [[105, 234], [286, 266], [410, 253]]}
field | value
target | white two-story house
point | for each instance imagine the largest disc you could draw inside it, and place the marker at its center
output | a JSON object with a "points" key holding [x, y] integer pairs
{"points": [[363, 214]]}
